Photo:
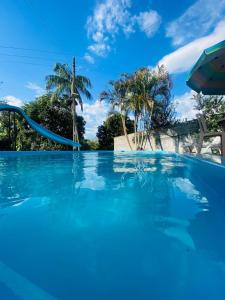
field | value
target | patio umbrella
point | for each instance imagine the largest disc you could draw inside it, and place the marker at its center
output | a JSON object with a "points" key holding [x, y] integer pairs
{"points": [[208, 74]]}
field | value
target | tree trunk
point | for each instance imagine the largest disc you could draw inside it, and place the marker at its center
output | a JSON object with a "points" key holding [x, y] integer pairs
{"points": [[73, 95], [138, 137], [141, 140], [14, 131], [75, 125], [141, 135], [9, 130], [148, 128], [125, 130], [75, 128], [73, 117], [135, 132]]}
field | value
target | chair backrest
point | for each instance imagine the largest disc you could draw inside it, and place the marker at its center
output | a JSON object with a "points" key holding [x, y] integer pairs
{"points": [[202, 123]]}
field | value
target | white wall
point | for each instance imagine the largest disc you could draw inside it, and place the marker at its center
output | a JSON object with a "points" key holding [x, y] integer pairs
{"points": [[159, 141], [170, 142]]}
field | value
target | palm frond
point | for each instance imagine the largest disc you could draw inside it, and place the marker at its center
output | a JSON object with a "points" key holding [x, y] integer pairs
{"points": [[84, 81], [63, 71], [54, 81], [61, 84]]}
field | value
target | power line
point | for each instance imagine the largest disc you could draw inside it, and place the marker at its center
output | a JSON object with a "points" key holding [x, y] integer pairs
{"points": [[23, 62], [35, 50], [41, 19], [29, 57], [44, 21]]}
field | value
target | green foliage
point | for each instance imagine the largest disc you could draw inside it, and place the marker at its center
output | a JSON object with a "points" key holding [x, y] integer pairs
{"points": [[105, 138], [90, 145], [163, 114], [111, 128], [149, 98], [8, 131], [145, 94], [55, 116], [66, 84], [5, 141], [60, 83], [213, 109], [116, 96]]}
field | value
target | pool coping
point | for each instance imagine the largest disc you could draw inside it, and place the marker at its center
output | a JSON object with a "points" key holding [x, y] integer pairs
{"points": [[215, 160]]}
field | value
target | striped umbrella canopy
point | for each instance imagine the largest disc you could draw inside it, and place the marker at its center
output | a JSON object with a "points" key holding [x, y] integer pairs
{"points": [[208, 74]]}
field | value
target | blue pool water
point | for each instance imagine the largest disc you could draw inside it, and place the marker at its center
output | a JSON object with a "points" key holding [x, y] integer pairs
{"points": [[104, 225]]}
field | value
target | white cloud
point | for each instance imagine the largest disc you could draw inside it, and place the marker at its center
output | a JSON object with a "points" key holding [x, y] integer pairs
{"points": [[185, 106], [182, 59], [100, 49], [39, 91], [110, 17], [149, 22], [89, 58], [12, 100], [94, 114], [196, 21]]}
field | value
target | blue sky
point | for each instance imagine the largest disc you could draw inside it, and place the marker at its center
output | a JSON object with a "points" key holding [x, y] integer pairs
{"points": [[108, 37]]}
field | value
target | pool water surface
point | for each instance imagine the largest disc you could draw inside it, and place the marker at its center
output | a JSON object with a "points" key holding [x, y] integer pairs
{"points": [[112, 226]]}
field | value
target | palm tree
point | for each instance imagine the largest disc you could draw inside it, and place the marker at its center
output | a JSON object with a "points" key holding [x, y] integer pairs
{"points": [[117, 97], [147, 90], [66, 84]]}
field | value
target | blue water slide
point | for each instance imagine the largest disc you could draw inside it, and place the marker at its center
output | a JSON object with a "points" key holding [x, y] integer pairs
{"points": [[41, 130]]}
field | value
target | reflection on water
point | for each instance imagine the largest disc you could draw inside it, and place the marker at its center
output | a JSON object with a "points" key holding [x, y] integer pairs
{"points": [[115, 186], [100, 216]]}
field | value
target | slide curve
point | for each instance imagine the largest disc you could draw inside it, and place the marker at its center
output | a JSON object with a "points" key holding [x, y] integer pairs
{"points": [[41, 130]]}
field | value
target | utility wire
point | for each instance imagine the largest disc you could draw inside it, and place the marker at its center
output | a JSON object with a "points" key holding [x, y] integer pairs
{"points": [[23, 62], [29, 57], [43, 21], [35, 50]]}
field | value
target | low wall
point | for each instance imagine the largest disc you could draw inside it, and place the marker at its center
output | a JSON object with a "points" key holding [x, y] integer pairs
{"points": [[156, 142], [176, 139]]}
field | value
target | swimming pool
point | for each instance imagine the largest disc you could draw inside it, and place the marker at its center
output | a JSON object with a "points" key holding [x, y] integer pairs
{"points": [[111, 225]]}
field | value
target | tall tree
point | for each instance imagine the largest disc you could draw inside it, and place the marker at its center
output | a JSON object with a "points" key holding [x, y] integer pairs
{"points": [[67, 84], [116, 95], [111, 128], [149, 95], [212, 107], [145, 94], [53, 116]]}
